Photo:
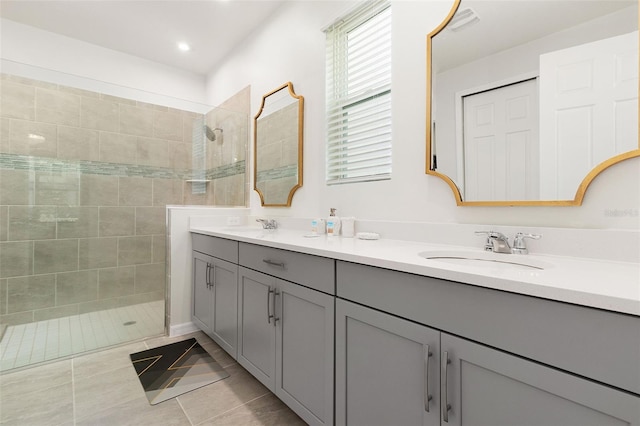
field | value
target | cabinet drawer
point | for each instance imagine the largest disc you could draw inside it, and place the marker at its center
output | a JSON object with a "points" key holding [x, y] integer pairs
{"points": [[593, 343], [305, 269], [217, 247]]}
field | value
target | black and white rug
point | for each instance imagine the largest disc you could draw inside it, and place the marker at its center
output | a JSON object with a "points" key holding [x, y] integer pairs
{"points": [[171, 370]]}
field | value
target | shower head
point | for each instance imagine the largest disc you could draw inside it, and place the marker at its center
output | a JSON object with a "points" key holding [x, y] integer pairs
{"points": [[211, 135]]}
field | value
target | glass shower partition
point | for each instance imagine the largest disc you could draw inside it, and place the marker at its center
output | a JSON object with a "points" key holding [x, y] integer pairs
{"points": [[85, 179]]}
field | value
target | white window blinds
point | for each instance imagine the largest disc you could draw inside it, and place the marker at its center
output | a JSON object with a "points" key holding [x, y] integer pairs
{"points": [[359, 95]]}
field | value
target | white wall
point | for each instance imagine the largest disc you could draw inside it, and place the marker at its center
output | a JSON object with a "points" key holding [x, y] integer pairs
{"points": [[291, 48], [58, 59]]}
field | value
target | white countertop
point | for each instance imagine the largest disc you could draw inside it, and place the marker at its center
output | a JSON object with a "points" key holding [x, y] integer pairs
{"points": [[613, 286]]}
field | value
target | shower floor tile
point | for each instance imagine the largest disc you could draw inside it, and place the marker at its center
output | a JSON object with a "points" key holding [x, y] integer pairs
{"points": [[41, 341]]}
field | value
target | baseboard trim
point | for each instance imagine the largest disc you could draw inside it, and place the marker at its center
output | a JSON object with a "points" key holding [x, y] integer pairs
{"points": [[184, 328]]}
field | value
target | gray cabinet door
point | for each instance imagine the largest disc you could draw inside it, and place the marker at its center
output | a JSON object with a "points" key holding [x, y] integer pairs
{"points": [[202, 309], [256, 325], [384, 373], [224, 321], [304, 351], [489, 387]]}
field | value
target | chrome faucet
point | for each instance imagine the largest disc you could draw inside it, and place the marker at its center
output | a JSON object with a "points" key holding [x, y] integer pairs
{"points": [[496, 242], [268, 223], [499, 243]]}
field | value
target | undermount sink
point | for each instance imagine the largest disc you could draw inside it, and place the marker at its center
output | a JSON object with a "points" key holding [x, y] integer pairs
{"points": [[243, 228], [486, 259]]}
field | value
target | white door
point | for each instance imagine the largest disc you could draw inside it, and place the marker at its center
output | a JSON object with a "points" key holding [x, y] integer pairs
{"points": [[588, 110], [501, 143]]}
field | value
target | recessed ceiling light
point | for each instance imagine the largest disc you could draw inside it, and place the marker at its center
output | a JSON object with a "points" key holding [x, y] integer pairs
{"points": [[184, 46]]}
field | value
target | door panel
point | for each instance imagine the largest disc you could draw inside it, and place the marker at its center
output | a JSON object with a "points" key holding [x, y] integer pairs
{"points": [[493, 388], [225, 305], [304, 339], [201, 305], [381, 377], [501, 143], [256, 345]]}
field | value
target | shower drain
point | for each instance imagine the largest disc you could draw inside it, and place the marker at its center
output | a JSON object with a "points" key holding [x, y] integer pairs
{"points": [[129, 323]]}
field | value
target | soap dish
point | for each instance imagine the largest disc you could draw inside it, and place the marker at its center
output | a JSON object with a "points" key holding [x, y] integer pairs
{"points": [[368, 235]]}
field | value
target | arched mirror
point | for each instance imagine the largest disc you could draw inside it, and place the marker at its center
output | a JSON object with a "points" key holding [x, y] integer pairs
{"points": [[529, 100], [277, 146]]}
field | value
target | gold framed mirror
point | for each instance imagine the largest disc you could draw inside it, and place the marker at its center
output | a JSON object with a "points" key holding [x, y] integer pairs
{"points": [[277, 146], [518, 107]]}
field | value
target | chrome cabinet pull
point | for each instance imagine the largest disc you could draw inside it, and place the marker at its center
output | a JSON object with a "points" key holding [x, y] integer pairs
{"points": [[273, 263], [269, 315], [427, 396], [275, 319], [443, 391], [208, 275]]}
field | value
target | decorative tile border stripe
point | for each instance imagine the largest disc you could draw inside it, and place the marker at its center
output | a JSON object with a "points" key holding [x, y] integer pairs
{"points": [[42, 164], [278, 173]]}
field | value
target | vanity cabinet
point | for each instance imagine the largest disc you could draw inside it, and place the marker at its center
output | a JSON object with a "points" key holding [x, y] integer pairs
{"points": [[215, 290], [286, 330], [513, 376]]}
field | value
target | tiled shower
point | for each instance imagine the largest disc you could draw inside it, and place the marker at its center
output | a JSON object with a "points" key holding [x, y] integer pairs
{"points": [[84, 181]]}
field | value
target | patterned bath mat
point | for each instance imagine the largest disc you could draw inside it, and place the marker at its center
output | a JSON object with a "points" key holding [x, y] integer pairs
{"points": [[171, 370]]}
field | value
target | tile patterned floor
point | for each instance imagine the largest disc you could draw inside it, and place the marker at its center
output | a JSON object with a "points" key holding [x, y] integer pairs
{"points": [[41, 341], [102, 389]]}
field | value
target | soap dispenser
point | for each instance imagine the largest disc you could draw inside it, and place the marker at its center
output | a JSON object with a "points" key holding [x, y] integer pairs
{"points": [[333, 223]]}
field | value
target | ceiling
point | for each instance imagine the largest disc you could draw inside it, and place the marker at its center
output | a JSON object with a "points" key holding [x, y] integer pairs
{"points": [[150, 29]]}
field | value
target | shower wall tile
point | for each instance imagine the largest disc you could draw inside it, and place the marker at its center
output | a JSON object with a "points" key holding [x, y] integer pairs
{"points": [[3, 296], [152, 152], [58, 189], [17, 187], [116, 282], [55, 256], [153, 107], [97, 190], [56, 107], [117, 148], [77, 222], [32, 223], [167, 191], [17, 100], [5, 134], [150, 278], [78, 144], [179, 155], [158, 248], [32, 292], [135, 299], [117, 221], [80, 92], [4, 222], [76, 287], [16, 258], [117, 99], [167, 125], [134, 250], [228, 191], [97, 305], [33, 138], [56, 312], [135, 191], [150, 220], [98, 253], [136, 121], [99, 114], [191, 199], [15, 319]]}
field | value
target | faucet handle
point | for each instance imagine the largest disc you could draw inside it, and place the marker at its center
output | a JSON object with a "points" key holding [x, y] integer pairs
{"points": [[488, 246], [519, 246]]}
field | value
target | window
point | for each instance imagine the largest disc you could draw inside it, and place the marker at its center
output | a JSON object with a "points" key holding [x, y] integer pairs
{"points": [[359, 95]]}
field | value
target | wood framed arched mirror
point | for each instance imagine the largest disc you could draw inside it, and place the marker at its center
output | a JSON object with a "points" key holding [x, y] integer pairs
{"points": [[528, 101]]}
